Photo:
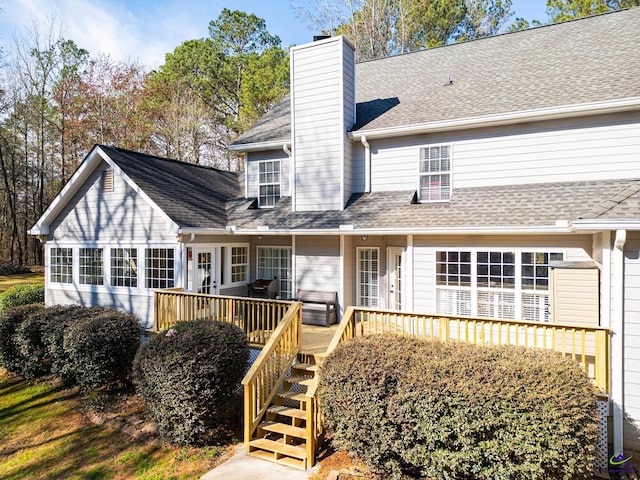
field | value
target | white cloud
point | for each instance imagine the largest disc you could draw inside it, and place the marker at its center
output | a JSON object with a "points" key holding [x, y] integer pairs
{"points": [[109, 27]]}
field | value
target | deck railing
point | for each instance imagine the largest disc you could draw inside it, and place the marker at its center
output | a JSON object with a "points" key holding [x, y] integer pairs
{"points": [[267, 374], [258, 318], [587, 345]]}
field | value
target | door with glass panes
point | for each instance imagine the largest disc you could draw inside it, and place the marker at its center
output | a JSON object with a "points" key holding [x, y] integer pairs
{"points": [[201, 268]]}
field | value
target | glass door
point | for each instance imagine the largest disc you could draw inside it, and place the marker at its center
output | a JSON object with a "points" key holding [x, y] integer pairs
{"points": [[201, 268], [394, 268]]}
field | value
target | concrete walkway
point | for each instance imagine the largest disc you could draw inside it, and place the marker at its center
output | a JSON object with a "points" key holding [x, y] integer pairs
{"points": [[243, 467]]}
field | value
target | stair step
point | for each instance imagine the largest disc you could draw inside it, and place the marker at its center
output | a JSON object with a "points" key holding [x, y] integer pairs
{"points": [[307, 381], [297, 396], [287, 461], [310, 367], [284, 429], [279, 447], [288, 412]]}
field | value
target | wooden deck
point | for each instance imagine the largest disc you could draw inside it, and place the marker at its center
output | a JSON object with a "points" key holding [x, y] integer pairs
{"points": [[316, 339]]}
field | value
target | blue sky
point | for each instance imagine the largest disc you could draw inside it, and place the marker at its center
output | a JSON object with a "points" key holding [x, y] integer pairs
{"points": [[146, 30]]}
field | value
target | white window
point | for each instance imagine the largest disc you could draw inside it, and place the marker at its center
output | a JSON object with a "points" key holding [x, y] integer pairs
{"points": [[90, 267], [497, 284], [435, 173], [269, 182], [238, 264], [159, 268], [368, 276], [124, 267], [61, 265], [275, 262]]}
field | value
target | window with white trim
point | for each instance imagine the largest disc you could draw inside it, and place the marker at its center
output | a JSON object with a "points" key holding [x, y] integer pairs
{"points": [[497, 284], [124, 267], [435, 174], [61, 265], [238, 264], [368, 276], [159, 267], [268, 182], [90, 266], [275, 262]]}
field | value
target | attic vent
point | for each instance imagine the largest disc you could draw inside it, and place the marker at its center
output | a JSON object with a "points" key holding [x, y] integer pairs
{"points": [[107, 181]]}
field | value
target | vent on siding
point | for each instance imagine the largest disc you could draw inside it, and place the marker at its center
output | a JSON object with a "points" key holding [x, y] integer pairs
{"points": [[107, 181]]}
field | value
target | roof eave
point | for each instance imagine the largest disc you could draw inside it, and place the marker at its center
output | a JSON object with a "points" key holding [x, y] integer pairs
{"points": [[604, 224], [251, 147], [549, 113]]}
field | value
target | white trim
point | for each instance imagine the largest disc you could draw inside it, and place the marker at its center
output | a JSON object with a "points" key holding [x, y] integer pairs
{"points": [[342, 132], [617, 341], [409, 275], [252, 147], [597, 224], [421, 148], [547, 113], [341, 280], [278, 183]]}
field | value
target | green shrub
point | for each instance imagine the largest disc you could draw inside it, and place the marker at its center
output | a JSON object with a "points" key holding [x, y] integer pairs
{"points": [[99, 349], [190, 377], [456, 411], [11, 320], [17, 295], [29, 342]]}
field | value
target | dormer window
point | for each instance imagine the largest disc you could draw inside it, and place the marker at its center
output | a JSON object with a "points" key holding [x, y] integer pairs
{"points": [[435, 174], [269, 182]]}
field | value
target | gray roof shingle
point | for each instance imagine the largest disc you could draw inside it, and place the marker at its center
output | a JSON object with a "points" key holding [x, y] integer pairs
{"points": [[191, 195], [583, 61]]}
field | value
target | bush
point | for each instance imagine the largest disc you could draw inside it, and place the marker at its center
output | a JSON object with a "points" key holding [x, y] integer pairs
{"points": [[190, 377], [100, 349], [456, 411], [17, 295], [29, 342], [8, 268], [55, 321], [10, 321]]}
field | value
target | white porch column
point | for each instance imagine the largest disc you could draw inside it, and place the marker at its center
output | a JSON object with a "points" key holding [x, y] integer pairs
{"points": [[407, 281], [617, 340]]}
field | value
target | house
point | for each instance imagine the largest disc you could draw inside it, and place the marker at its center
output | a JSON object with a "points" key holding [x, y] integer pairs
{"points": [[493, 178]]}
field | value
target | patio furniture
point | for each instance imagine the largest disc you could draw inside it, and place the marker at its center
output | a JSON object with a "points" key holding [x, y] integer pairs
{"points": [[318, 308]]}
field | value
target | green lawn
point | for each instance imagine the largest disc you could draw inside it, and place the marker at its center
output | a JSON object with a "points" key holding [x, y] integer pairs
{"points": [[7, 281], [44, 435]]}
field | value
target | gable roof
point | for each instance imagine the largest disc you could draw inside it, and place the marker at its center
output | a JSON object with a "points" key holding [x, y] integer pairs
{"points": [[187, 195], [584, 63], [191, 195]]}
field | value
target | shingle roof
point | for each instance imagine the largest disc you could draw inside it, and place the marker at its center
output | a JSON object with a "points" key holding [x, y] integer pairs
{"points": [[191, 195], [517, 206], [583, 61]]}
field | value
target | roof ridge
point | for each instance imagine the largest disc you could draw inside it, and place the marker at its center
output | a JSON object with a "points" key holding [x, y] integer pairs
{"points": [[614, 200], [497, 35], [125, 151]]}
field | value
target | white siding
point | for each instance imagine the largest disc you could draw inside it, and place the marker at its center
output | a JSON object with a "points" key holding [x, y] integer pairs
{"points": [[318, 104], [121, 215], [349, 115], [140, 304], [632, 341], [253, 187], [318, 263], [593, 148]]}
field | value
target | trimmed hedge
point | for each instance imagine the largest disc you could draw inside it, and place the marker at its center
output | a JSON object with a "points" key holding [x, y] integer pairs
{"points": [[26, 294], [456, 411], [11, 320], [100, 348], [190, 377]]}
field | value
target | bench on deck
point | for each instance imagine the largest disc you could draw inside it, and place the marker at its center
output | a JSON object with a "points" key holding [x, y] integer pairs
{"points": [[318, 308]]}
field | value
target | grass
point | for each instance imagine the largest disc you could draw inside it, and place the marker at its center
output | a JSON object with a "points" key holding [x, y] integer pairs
{"points": [[7, 281], [44, 434]]}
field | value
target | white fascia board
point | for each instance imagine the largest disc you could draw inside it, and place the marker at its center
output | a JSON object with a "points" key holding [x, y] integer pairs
{"points": [[206, 231], [171, 225], [603, 224], [549, 113], [533, 230], [253, 147]]}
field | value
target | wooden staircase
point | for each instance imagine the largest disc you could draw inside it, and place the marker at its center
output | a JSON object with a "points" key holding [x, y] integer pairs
{"points": [[282, 435]]}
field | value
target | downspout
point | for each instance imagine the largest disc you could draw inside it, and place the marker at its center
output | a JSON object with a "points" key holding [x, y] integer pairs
{"points": [[617, 341], [287, 150], [367, 164]]}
